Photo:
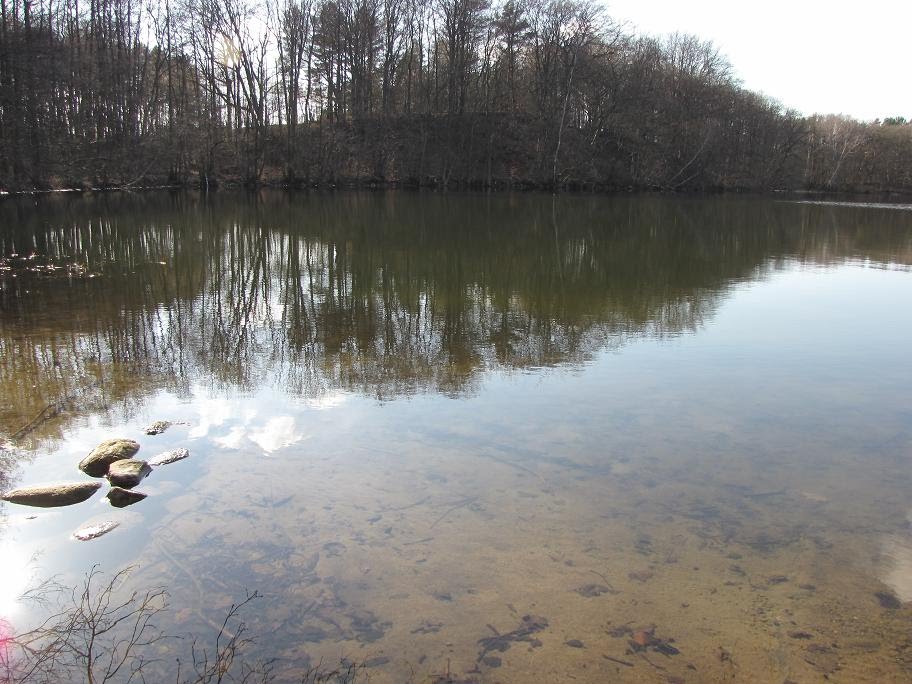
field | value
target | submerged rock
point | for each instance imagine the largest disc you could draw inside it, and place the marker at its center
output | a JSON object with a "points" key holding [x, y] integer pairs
{"points": [[888, 600], [593, 590], [121, 498], [169, 457], [94, 530], [97, 462], [128, 473], [50, 496], [158, 427]]}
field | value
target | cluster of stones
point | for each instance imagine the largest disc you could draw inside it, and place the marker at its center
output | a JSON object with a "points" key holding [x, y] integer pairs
{"points": [[112, 459]]}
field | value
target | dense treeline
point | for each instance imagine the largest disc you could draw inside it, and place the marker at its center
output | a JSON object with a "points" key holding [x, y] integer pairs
{"points": [[548, 93]]}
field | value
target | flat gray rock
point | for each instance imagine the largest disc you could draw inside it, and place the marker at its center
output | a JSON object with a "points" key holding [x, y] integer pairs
{"points": [[50, 496], [158, 427], [128, 472], [169, 457], [101, 457], [94, 530]]}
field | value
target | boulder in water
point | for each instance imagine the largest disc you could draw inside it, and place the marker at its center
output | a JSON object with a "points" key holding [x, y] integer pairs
{"points": [[158, 427], [50, 496], [94, 530], [121, 498], [169, 457], [128, 473], [97, 462]]}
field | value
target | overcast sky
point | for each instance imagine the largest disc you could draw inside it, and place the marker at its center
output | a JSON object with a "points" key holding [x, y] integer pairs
{"points": [[816, 56]]}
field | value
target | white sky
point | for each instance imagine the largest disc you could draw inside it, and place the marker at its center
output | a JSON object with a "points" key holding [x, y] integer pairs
{"points": [[826, 56]]}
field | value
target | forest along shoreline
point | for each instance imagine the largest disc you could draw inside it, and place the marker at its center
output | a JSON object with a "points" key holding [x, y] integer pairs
{"points": [[426, 93], [882, 199]]}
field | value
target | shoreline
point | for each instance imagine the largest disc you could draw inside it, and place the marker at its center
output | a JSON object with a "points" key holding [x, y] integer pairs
{"points": [[888, 197]]}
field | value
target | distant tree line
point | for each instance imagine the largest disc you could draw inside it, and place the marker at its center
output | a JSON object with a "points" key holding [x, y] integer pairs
{"points": [[539, 93]]}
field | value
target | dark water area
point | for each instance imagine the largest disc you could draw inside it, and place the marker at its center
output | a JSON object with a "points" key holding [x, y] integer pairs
{"points": [[499, 438]]}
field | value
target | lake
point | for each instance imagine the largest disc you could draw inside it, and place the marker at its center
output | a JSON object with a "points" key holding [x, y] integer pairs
{"points": [[494, 438]]}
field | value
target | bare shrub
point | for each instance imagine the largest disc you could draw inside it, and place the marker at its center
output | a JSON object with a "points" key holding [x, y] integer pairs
{"points": [[97, 635]]}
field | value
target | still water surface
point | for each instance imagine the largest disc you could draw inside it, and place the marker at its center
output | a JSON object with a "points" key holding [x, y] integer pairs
{"points": [[489, 436]]}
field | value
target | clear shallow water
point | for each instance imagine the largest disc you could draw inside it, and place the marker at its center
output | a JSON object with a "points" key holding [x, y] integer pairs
{"points": [[415, 420]]}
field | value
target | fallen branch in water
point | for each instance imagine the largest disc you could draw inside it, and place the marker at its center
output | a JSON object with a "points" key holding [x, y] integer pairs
{"points": [[42, 416], [454, 507]]}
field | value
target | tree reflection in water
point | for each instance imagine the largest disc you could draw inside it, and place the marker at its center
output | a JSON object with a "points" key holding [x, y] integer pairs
{"points": [[382, 294]]}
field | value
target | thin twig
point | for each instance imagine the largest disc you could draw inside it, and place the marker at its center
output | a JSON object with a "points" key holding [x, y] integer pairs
{"points": [[454, 507]]}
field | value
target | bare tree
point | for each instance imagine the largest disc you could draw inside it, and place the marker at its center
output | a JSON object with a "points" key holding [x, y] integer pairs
{"points": [[101, 634], [462, 23], [293, 22], [549, 92]]}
